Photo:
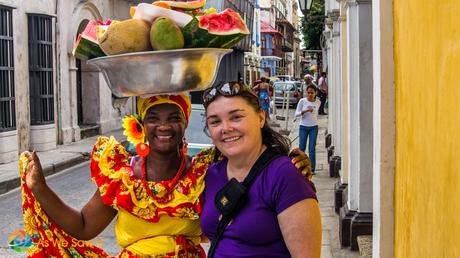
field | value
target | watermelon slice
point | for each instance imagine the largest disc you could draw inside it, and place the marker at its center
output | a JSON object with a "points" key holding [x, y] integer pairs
{"points": [[192, 5], [219, 30], [87, 47]]}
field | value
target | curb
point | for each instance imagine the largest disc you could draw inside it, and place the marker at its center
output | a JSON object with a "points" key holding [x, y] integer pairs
{"points": [[48, 170]]}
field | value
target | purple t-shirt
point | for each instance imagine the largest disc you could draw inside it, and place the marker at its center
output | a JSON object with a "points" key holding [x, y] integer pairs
{"points": [[255, 231]]}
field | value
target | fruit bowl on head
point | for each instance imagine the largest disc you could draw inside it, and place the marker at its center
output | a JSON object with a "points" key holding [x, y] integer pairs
{"points": [[160, 72]]}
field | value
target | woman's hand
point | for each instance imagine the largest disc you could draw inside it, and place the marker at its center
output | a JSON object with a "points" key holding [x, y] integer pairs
{"points": [[301, 162], [310, 109], [35, 179]]}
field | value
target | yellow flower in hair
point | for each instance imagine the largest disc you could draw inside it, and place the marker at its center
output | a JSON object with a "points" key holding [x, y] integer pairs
{"points": [[134, 130]]}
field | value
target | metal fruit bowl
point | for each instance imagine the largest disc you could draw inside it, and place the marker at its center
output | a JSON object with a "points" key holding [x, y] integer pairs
{"points": [[160, 72]]}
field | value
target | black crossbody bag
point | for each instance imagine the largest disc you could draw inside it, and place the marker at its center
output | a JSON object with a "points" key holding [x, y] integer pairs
{"points": [[233, 196]]}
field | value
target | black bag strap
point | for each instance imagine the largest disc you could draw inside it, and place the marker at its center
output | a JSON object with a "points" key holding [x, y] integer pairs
{"points": [[265, 158], [262, 162]]}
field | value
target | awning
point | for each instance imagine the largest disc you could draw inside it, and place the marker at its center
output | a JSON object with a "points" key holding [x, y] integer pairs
{"points": [[267, 28]]}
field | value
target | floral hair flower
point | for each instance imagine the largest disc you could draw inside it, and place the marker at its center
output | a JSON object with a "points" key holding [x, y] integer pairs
{"points": [[134, 130]]}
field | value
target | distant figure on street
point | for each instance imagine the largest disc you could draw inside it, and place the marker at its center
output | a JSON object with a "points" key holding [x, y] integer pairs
{"points": [[263, 92], [322, 90], [308, 79], [307, 110]]}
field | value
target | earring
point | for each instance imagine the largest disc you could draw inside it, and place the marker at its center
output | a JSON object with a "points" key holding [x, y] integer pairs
{"points": [[143, 149], [184, 147]]}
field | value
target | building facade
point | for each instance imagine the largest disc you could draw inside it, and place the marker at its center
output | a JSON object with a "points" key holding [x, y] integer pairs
{"points": [[252, 59], [270, 50], [232, 66], [48, 97], [393, 124], [278, 39], [297, 50]]}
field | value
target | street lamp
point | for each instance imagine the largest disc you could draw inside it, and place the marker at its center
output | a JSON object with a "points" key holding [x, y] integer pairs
{"points": [[305, 5]]}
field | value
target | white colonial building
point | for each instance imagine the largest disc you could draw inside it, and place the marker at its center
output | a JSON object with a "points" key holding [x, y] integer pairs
{"points": [[47, 97]]}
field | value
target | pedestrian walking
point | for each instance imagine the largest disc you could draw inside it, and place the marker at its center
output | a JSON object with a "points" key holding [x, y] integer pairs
{"points": [[307, 109], [323, 91], [263, 92], [308, 80]]}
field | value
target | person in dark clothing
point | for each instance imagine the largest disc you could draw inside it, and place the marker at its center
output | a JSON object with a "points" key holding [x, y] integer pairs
{"points": [[322, 90]]}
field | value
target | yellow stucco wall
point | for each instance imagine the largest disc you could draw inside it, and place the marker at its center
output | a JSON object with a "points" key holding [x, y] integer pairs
{"points": [[427, 174]]}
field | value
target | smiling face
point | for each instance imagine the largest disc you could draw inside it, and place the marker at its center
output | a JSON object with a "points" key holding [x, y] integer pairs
{"points": [[165, 127], [234, 126], [311, 94]]}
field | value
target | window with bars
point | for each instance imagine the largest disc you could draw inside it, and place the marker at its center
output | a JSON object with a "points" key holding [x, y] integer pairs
{"points": [[41, 69], [7, 100]]}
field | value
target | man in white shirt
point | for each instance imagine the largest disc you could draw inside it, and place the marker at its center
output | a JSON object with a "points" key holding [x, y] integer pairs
{"points": [[322, 90]]}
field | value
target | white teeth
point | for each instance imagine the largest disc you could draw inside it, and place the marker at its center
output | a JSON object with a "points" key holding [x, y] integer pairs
{"points": [[162, 137], [231, 139]]}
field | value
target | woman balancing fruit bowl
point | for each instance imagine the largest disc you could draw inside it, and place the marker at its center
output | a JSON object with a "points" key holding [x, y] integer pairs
{"points": [[155, 195]]}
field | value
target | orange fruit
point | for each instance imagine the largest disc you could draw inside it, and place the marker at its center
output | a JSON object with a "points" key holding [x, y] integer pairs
{"points": [[132, 10], [162, 4]]}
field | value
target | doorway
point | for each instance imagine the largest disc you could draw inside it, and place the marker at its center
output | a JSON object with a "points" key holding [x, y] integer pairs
{"points": [[87, 91]]}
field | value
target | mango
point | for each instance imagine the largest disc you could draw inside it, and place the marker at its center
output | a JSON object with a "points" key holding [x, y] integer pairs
{"points": [[165, 34], [125, 37]]}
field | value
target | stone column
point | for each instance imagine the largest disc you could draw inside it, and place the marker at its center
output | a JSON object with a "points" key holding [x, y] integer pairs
{"points": [[383, 130], [341, 184], [335, 102], [330, 127], [21, 80], [337, 84], [327, 62], [356, 216], [333, 80]]}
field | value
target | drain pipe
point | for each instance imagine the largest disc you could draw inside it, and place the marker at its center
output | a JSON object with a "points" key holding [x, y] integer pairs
{"points": [[57, 54]]}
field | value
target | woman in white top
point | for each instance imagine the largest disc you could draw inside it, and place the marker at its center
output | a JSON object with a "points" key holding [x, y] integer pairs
{"points": [[307, 109]]}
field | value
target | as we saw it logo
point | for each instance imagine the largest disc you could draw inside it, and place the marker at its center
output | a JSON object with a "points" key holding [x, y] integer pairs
{"points": [[19, 241]]}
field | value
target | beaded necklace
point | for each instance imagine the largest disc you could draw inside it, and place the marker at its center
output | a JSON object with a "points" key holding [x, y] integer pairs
{"points": [[161, 191]]}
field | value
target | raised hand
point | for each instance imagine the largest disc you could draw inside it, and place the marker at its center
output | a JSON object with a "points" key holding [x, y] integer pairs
{"points": [[34, 172], [302, 162]]}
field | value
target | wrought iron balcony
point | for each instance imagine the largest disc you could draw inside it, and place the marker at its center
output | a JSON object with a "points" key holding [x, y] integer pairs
{"points": [[286, 45], [272, 52]]}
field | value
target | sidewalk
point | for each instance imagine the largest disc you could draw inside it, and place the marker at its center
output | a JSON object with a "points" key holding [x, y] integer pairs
{"points": [[53, 161], [324, 186]]}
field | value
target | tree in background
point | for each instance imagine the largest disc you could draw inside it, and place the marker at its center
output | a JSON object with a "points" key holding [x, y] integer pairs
{"points": [[313, 27]]}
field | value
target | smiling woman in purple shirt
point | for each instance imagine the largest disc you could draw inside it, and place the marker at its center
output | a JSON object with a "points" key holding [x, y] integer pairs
{"points": [[281, 215]]}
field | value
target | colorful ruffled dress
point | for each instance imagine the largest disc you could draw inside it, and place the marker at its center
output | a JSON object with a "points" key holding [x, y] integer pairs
{"points": [[162, 221]]}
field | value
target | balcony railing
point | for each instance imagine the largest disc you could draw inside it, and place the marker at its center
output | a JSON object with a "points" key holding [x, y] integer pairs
{"points": [[288, 25], [272, 52], [286, 46]]}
